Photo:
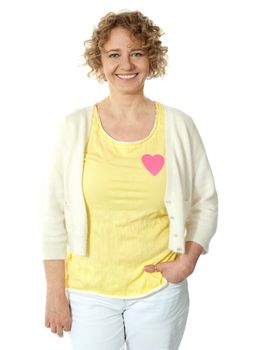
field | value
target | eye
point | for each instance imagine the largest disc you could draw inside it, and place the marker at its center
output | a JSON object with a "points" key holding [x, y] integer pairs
{"points": [[113, 55], [138, 54]]}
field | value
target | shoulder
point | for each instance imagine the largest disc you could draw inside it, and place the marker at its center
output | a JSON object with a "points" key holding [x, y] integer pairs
{"points": [[75, 116], [76, 120], [177, 116], [182, 125]]}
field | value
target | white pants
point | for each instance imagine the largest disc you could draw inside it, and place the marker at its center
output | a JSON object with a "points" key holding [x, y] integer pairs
{"points": [[154, 322]]}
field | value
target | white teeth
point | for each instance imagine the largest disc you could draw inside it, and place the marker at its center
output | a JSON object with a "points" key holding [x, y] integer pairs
{"points": [[129, 76]]}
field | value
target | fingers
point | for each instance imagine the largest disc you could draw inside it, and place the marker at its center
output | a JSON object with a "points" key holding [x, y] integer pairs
{"points": [[57, 329], [151, 268], [58, 321], [67, 325]]}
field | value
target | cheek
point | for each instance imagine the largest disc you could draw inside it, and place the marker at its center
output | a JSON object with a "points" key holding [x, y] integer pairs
{"points": [[146, 65], [110, 68], [145, 68]]}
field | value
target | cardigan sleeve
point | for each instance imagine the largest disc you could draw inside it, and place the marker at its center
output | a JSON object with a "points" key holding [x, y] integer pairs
{"points": [[201, 223], [53, 230]]}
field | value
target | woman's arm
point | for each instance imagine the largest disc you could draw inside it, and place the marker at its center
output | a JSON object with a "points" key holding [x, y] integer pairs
{"points": [[177, 270], [192, 253], [201, 223], [52, 216], [57, 312], [55, 274]]}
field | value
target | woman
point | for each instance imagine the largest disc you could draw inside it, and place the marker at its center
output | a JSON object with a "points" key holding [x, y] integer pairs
{"points": [[131, 203]]}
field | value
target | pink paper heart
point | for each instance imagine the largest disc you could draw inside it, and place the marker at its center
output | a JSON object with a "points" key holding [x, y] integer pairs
{"points": [[153, 163]]}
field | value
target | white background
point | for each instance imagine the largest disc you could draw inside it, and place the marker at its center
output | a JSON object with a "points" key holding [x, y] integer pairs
{"points": [[216, 74]]}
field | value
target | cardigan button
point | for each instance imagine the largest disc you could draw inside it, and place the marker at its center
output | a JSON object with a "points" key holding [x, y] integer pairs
{"points": [[176, 235], [172, 217], [168, 201]]}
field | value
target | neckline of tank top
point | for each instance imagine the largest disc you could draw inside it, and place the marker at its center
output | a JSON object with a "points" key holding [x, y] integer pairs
{"points": [[130, 142]]}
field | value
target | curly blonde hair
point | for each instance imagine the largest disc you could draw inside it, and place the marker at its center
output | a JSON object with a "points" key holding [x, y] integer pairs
{"points": [[140, 27]]}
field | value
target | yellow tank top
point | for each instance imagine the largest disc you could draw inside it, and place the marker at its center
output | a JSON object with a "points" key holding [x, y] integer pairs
{"points": [[123, 186]]}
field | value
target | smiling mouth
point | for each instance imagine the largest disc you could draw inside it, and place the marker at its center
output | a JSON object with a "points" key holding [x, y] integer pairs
{"points": [[126, 76]]}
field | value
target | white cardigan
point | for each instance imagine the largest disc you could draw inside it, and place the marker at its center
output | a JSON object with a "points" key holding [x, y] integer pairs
{"points": [[190, 197]]}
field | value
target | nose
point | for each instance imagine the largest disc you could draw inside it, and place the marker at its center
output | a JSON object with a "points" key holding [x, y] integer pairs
{"points": [[126, 63]]}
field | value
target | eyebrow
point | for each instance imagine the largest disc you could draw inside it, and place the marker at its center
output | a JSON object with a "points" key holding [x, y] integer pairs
{"points": [[137, 49]]}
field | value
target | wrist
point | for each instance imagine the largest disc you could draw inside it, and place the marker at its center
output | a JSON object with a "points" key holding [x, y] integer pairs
{"points": [[55, 289], [187, 262], [192, 253]]}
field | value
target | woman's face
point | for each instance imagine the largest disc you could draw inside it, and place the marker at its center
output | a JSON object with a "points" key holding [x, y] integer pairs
{"points": [[124, 63]]}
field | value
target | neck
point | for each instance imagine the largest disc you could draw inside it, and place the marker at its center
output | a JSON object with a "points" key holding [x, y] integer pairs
{"points": [[127, 106]]}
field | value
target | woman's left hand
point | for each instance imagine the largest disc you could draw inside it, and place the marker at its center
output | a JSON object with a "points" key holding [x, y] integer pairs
{"points": [[173, 271]]}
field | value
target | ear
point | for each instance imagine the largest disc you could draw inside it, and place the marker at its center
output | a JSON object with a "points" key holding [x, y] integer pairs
{"points": [[102, 74], [100, 70]]}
